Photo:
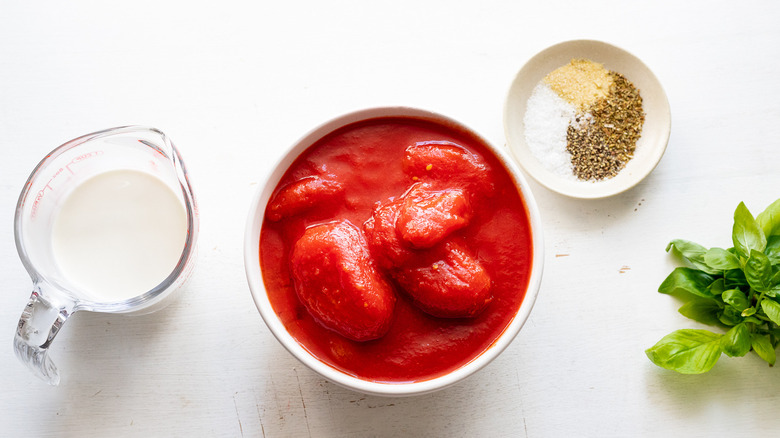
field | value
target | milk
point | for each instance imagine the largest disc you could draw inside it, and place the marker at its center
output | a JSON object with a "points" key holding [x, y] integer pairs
{"points": [[119, 234]]}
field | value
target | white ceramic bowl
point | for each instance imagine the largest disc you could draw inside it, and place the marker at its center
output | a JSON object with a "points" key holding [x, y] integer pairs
{"points": [[255, 279], [655, 132]]}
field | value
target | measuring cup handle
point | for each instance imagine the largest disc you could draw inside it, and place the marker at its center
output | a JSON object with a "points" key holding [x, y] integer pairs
{"points": [[41, 320]]}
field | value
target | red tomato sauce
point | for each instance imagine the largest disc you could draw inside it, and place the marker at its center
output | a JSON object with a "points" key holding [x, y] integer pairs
{"points": [[366, 158]]}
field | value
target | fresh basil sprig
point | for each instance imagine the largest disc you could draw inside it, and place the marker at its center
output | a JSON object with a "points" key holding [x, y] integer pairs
{"points": [[736, 289]]}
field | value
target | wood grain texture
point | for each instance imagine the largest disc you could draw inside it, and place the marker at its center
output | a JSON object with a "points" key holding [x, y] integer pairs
{"points": [[234, 83]]}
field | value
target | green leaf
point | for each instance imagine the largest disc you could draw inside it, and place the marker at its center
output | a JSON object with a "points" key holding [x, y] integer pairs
{"points": [[750, 311], [717, 287], [758, 271], [754, 320], [687, 280], [735, 278], [772, 249], [693, 253], [771, 309], [720, 259], [746, 234], [763, 347], [736, 342], [736, 298], [769, 219], [686, 248], [703, 311], [773, 292], [730, 316], [687, 351]]}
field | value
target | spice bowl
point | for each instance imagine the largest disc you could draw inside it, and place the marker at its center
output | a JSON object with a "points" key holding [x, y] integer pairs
{"points": [[650, 146]]}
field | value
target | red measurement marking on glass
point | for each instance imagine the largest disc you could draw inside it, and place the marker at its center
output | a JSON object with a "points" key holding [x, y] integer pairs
{"points": [[42, 192], [81, 158]]}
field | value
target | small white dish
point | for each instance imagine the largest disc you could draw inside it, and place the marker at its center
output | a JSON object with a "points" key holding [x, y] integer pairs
{"points": [[655, 132]]}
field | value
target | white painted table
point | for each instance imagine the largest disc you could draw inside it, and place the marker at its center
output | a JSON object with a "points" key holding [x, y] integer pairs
{"points": [[235, 83]]}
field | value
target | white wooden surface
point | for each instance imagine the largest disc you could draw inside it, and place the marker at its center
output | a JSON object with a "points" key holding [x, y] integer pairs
{"points": [[235, 83]]}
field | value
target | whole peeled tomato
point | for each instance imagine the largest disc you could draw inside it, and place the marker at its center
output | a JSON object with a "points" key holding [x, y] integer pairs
{"points": [[448, 164], [427, 216], [337, 281], [386, 244], [446, 281], [301, 196]]}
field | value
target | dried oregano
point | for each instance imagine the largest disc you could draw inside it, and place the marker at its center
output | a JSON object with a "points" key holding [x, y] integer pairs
{"points": [[603, 139]]}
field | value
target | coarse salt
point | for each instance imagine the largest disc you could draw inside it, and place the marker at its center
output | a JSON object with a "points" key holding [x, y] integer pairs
{"points": [[547, 117]]}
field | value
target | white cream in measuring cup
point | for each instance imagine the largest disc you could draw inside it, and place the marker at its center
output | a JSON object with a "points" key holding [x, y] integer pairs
{"points": [[107, 223], [119, 234]]}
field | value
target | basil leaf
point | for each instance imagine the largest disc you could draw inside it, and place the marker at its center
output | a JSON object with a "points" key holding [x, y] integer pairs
{"points": [[771, 293], [735, 278], [720, 259], [717, 287], [775, 280], [772, 249], [754, 320], [720, 287], [736, 299], [736, 342], [693, 253], [730, 316], [746, 234], [763, 347], [769, 219], [686, 248], [772, 310], [687, 351], [687, 280], [703, 311], [758, 271]]}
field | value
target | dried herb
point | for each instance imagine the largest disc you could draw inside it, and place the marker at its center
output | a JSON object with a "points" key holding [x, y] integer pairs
{"points": [[603, 140]]}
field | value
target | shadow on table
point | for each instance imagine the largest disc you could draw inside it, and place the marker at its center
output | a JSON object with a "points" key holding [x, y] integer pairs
{"points": [[736, 391], [321, 408], [589, 213], [116, 372]]}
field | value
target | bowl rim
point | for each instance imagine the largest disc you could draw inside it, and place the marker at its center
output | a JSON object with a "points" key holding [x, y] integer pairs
{"points": [[257, 288], [634, 172]]}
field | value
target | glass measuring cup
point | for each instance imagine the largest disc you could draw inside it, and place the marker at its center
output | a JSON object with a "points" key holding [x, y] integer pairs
{"points": [[55, 297]]}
